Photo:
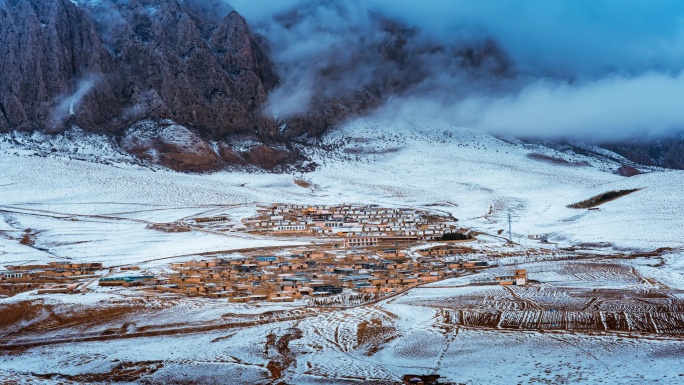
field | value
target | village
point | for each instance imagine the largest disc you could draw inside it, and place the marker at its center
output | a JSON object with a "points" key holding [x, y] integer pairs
{"points": [[365, 226], [370, 253]]}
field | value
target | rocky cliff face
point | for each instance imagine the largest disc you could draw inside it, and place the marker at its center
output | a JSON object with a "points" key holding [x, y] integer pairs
{"points": [[193, 65], [49, 49], [107, 66], [184, 83], [668, 152]]}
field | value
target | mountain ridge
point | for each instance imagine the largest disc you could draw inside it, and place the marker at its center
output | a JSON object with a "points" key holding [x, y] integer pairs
{"points": [[196, 66]]}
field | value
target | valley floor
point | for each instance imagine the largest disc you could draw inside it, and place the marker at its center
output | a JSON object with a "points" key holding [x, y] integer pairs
{"points": [[605, 307]]}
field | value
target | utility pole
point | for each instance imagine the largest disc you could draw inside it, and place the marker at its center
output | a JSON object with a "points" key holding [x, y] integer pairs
{"points": [[510, 236]]}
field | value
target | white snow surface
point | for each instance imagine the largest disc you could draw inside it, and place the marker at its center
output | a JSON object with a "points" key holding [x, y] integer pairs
{"points": [[99, 209], [472, 175]]}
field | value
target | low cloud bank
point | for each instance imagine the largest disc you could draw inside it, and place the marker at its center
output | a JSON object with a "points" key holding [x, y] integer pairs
{"points": [[587, 69]]}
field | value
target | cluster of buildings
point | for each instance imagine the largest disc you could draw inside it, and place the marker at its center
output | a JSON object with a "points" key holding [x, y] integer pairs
{"points": [[517, 278], [54, 277], [361, 226], [309, 273], [53, 270], [374, 263]]}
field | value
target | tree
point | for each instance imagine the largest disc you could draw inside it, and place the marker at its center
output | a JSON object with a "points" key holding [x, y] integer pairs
{"points": [[456, 237]]}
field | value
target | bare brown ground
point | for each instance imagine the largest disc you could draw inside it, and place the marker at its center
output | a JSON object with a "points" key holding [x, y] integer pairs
{"points": [[38, 321], [302, 183], [10, 289], [28, 239], [606, 310], [123, 372], [284, 358], [37, 317], [374, 335]]}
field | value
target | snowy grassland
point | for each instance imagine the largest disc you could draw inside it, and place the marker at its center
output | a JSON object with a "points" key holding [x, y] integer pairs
{"points": [[474, 176], [98, 205]]}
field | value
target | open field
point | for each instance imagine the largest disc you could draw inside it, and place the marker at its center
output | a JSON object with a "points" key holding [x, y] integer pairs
{"points": [[583, 297], [604, 305], [446, 329]]}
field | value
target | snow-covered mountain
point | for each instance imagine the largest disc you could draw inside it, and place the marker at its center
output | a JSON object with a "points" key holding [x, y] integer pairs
{"points": [[139, 135], [91, 205], [151, 74], [472, 175]]}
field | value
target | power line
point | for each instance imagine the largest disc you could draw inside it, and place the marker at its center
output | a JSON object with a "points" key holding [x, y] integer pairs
{"points": [[510, 232]]}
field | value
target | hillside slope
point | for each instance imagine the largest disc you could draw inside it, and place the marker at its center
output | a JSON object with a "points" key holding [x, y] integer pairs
{"points": [[473, 176]]}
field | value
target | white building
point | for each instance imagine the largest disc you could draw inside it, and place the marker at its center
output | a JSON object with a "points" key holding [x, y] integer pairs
{"points": [[360, 241], [11, 274], [290, 228]]}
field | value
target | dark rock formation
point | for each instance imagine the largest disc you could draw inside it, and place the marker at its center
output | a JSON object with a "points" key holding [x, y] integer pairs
{"points": [[627, 171], [155, 72], [107, 66], [181, 61], [667, 152], [172, 146], [50, 58], [266, 157], [230, 156]]}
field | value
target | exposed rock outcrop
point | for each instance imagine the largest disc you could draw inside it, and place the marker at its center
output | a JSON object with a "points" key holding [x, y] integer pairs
{"points": [[50, 55], [667, 152], [266, 157], [172, 146], [111, 65], [106, 66], [230, 156]]}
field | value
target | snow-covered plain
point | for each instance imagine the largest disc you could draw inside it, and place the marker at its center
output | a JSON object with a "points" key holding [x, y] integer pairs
{"points": [[329, 349], [476, 177], [99, 209]]}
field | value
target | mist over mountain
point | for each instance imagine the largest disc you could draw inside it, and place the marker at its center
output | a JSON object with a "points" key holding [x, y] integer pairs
{"points": [[604, 71], [149, 71], [341, 192]]}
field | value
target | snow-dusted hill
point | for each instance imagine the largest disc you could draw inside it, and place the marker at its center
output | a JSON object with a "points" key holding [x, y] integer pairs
{"points": [[101, 208], [472, 175], [487, 177]]}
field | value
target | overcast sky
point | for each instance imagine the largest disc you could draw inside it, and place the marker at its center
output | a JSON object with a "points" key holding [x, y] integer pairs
{"points": [[601, 69]]}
